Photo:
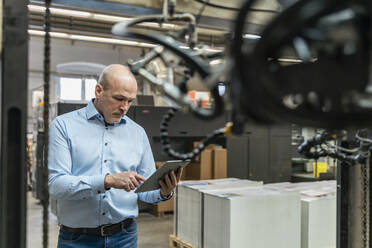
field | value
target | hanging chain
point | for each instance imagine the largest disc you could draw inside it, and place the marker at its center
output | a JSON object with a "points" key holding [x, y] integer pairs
{"points": [[45, 200], [364, 204]]}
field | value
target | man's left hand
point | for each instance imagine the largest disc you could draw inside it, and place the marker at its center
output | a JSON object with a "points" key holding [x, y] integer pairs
{"points": [[169, 183]]}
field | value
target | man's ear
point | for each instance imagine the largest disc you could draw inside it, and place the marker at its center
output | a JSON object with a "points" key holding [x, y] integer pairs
{"points": [[98, 90]]}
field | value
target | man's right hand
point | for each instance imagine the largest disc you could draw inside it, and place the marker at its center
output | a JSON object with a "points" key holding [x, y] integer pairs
{"points": [[128, 180]]}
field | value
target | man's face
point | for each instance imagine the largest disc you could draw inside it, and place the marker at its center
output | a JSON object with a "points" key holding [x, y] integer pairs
{"points": [[114, 102]]}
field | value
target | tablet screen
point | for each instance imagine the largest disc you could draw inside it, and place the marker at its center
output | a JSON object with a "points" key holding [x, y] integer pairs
{"points": [[152, 183]]}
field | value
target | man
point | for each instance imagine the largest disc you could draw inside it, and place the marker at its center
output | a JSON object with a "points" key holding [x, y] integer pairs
{"points": [[97, 157]]}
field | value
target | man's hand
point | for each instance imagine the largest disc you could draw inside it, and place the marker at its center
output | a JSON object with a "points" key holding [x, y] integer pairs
{"points": [[128, 180], [169, 183]]}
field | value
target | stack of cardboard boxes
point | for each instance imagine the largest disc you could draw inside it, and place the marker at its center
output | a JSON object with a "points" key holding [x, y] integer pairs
{"points": [[210, 164]]}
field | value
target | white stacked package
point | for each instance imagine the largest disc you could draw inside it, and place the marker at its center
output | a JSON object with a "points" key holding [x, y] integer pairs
{"points": [[189, 208], [318, 212], [319, 217], [256, 217]]}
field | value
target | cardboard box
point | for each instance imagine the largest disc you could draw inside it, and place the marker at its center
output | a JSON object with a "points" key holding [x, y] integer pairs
{"points": [[206, 164], [219, 163], [167, 206], [201, 170], [209, 147]]}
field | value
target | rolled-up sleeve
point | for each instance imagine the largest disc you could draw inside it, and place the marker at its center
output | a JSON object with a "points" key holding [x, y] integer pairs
{"points": [[62, 184]]}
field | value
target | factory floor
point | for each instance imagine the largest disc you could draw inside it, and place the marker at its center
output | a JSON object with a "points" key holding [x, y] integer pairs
{"points": [[152, 231]]}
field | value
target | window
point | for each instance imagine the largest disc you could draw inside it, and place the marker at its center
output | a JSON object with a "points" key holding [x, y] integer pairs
{"points": [[90, 85], [221, 89], [78, 89], [70, 88]]}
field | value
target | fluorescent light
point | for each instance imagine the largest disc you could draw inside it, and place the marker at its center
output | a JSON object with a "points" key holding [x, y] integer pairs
{"points": [[36, 8], [60, 11], [209, 49], [67, 12], [104, 40], [156, 25], [109, 18], [290, 60], [94, 16], [216, 62], [88, 38], [251, 36]]}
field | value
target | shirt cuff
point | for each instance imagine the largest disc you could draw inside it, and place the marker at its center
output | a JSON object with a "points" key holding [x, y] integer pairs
{"points": [[166, 198], [98, 184]]}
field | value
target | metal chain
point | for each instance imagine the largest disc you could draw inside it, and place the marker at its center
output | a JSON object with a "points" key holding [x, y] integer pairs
{"points": [[364, 204], [45, 200]]}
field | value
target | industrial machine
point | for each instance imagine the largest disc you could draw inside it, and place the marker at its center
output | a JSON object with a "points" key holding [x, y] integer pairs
{"points": [[328, 87]]}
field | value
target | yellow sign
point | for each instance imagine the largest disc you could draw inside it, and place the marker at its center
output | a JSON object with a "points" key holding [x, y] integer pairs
{"points": [[319, 167]]}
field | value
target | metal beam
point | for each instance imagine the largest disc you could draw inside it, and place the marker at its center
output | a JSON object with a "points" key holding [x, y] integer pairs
{"points": [[13, 118], [194, 6], [253, 27]]}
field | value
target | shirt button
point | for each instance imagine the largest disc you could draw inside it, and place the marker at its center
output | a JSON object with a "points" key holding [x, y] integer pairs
{"points": [[103, 213], [105, 144], [106, 128], [105, 161]]}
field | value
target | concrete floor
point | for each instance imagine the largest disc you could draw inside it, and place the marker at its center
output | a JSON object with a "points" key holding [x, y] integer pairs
{"points": [[152, 231]]}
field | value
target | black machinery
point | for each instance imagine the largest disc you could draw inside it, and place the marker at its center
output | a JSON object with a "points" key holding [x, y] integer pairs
{"points": [[327, 88]]}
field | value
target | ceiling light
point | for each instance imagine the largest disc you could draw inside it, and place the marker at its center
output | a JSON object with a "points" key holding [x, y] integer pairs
{"points": [[209, 49], [251, 36], [289, 60], [67, 12], [109, 18], [94, 16], [216, 62], [59, 11], [97, 39]]}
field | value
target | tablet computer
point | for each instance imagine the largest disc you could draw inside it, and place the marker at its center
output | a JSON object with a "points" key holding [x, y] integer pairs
{"points": [[152, 183]]}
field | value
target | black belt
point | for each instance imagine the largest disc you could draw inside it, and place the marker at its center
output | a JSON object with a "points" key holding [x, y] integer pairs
{"points": [[104, 230]]}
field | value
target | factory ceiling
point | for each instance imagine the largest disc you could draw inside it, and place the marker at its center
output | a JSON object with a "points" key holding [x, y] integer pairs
{"points": [[215, 23]]}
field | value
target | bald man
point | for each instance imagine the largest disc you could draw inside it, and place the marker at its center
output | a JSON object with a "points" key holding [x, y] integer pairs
{"points": [[97, 157]]}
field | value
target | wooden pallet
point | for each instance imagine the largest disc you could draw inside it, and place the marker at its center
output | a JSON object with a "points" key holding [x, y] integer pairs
{"points": [[163, 207], [175, 242], [157, 213]]}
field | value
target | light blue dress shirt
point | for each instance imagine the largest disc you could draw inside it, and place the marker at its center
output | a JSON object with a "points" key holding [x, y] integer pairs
{"points": [[82, 150]]}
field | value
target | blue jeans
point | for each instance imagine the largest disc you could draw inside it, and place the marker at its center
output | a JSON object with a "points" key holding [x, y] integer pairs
{"points": [[126, 238]]}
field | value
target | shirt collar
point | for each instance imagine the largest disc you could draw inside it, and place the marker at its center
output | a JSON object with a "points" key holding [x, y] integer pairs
{"points": [[91, 113]]}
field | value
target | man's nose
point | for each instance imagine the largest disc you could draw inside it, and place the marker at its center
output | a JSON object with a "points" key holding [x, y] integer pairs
{"points": [[124, 105]]}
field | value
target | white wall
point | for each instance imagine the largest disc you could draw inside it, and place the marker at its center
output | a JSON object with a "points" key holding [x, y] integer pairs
{"points": [[64, 51]]}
